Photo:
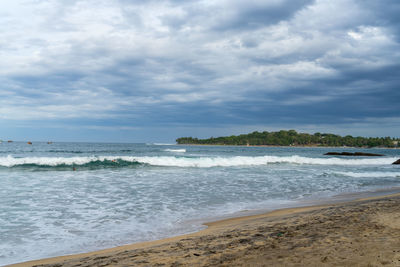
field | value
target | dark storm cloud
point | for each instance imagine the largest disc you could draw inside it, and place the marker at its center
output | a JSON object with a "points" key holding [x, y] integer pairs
{"points": [[384, 13], [242, 15]]}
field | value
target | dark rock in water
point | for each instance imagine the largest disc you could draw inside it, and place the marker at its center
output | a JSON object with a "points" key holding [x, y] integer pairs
{"points": [[396, 162], [353, 154]]}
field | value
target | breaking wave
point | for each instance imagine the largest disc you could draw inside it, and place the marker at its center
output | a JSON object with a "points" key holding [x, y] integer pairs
{"points": [[182, 150], [369, 174], [178, 161]]}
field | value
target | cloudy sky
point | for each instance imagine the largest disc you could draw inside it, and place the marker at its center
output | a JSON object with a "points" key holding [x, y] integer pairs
{"points": [[146, 71]]}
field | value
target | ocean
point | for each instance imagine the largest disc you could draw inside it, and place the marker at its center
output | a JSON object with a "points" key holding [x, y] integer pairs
{"points": [[65, 198]]}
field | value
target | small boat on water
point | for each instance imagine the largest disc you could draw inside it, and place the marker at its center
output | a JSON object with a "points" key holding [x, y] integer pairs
{"points": [[29, 143]]}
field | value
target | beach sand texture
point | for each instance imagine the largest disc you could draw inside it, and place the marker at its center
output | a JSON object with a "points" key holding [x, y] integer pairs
{"points": [[358, 233]]}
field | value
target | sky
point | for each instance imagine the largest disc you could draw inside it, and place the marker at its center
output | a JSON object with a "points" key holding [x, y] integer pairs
{"points": [[153, 71]]}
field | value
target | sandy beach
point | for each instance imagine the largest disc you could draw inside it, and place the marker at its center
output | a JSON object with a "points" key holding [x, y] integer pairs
{"points": [[363, 232]]}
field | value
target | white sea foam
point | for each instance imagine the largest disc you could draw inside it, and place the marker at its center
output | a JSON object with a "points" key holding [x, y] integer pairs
{"points": [[254, 161], [370, 174], [200, 162], [176, 150], [10, 161]]}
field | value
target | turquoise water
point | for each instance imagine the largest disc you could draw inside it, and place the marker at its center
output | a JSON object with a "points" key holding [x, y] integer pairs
{"points": [[64, 198]]}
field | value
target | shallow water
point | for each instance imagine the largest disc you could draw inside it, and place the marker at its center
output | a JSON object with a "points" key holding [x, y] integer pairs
{"points": [[65, 198]]}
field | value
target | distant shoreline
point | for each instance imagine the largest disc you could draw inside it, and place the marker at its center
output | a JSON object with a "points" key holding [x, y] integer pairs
{"points": [[293, 138], [297, 146]]}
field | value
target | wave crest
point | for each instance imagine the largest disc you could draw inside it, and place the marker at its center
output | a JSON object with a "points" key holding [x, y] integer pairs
{"points": [[182, 150], [370, 174], [170, 161]]}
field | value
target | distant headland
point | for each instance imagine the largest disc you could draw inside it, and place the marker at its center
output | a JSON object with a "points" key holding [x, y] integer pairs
{"points": [[293, 138]]}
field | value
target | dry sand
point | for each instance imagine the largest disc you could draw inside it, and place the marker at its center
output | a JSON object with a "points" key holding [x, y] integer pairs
{"points": [[358, 233]]}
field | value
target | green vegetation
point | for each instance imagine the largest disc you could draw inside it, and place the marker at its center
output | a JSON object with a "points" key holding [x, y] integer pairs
{"points": [[293, 138]]}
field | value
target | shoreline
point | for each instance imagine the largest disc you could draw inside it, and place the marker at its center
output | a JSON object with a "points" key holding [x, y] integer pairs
{"points": [[296, 146], [194, 248]]}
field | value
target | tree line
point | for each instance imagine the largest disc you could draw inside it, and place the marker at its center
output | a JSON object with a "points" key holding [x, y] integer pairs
{"points": [[293, 138]]}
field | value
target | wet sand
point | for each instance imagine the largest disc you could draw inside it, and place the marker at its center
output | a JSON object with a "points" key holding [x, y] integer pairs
{"points": [[364, 232]]}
